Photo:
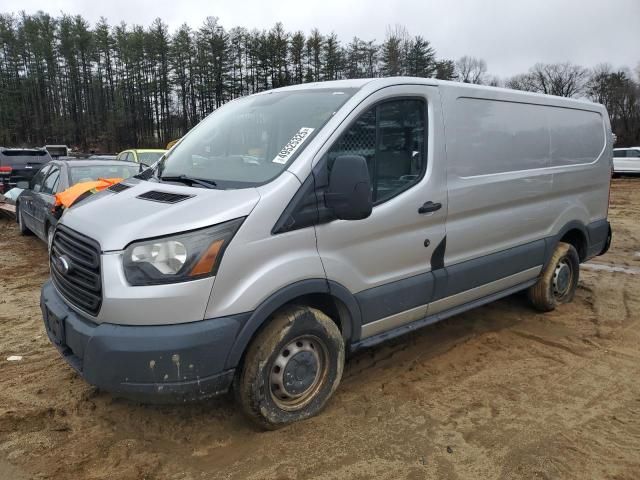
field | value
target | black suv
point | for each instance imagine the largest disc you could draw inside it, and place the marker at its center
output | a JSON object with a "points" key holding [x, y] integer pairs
{"points": [[20, 164]]}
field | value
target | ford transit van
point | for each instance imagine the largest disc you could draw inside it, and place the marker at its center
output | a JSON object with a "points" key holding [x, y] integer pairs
{"points": [[292, 227]]}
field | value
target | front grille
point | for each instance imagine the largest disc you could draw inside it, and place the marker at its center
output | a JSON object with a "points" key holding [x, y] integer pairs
{"points": [[163, 197], [81, 284], [118, 187]]}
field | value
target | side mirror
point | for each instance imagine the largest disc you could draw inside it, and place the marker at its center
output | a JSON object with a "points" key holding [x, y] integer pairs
{"points": [[23, 184], [349, 191]]}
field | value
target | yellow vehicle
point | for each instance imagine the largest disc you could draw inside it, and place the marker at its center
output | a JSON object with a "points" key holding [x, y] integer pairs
{"points": [[172, 143], [146, 156]]}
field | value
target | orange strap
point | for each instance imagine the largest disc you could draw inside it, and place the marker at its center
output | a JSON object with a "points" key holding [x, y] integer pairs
{"points": [[67, 197]]}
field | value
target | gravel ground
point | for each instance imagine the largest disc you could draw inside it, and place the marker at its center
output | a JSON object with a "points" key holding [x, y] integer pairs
{"points": [[498, 392]]}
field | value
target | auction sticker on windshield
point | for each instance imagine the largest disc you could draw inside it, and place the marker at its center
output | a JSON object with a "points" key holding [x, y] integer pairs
{"points": [[290, 148]]}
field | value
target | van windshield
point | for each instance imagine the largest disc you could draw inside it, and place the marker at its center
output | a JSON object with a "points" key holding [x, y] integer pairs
{"points": [[250, 141]]}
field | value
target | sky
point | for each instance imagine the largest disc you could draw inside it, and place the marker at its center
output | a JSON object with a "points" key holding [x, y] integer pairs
{"points": [[511, 35]]}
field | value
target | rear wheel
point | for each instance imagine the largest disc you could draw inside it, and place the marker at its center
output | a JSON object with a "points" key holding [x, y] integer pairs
{"points": [[558, 282], [291, 368], [24, 230]]}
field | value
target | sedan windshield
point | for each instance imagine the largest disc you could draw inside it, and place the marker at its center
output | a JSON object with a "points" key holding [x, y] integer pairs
{"points": [[250, 141], [149, 158], [94, 172]]}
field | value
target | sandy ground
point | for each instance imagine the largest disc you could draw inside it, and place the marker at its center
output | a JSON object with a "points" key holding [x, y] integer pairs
{"points": [[498, 392]]}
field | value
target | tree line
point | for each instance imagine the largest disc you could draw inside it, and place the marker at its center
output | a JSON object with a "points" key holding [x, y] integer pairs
{"points": [[110, 87], [106, 87]]}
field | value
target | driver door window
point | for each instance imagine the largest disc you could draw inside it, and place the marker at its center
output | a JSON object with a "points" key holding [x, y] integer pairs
{"points": [[36, 183], [51, 183], [391, 137]]}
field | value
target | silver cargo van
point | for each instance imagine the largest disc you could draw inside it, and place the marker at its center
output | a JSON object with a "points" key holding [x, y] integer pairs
{"points": [[294, 226]]}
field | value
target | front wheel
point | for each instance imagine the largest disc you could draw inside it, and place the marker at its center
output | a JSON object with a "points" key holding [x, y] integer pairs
{"points": [[559, 280], [291, 368]]}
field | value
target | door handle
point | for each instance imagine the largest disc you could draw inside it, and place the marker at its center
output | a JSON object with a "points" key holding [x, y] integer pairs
{"points": [[429, 207]]}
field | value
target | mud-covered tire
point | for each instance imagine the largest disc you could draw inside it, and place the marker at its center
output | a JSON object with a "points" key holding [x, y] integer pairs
{"points": [[24, 230], [553, 288], [254, 385]]}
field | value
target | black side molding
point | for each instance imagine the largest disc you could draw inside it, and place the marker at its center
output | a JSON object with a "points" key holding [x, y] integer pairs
{"points": [[437, 257]]}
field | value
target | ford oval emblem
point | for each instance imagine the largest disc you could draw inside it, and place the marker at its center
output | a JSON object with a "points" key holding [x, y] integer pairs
{"points": [[63, 263]]}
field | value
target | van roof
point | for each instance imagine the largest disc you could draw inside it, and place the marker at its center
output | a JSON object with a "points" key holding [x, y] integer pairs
{"points": [[377, 83]]}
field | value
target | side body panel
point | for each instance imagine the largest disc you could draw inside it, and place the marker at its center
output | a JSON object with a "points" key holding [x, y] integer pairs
{"points": [[257, 264], [520, 168], [490, 207], [581, 185]]}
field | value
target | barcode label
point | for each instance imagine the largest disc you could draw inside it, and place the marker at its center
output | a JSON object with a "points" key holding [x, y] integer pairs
{"points": [[290, 148]]}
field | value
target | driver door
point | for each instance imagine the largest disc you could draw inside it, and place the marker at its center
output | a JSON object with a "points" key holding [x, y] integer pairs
{"points": [[44, 200], [28, 199], [386, 260]]}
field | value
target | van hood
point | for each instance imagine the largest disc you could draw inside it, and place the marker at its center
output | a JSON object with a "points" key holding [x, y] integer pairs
{"points": [[116, 219]]}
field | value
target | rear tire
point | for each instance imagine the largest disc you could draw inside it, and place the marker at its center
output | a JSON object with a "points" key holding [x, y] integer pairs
{"points": [[24, 230], [559, 280], [291, 368]]}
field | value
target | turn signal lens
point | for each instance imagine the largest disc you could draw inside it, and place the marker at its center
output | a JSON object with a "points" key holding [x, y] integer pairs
{"points": [[208, 260]]}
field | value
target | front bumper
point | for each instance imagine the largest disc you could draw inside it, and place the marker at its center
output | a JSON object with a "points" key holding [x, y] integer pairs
{"points": [[154, 363]]}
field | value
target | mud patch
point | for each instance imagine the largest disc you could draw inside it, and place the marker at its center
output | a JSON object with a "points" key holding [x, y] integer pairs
{"points": [[497, 392]]}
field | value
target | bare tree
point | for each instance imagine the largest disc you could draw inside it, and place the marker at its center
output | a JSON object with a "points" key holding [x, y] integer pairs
{"points": [[471, 70], [494, 81], [523, 81], [561, 79], [599, 86]]}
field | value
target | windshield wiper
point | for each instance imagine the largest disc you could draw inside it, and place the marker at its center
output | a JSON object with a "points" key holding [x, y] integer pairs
{"points": [[186, 178]]}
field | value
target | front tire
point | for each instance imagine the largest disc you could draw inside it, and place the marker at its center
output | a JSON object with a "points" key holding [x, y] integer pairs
{"points": [[559, 280], [291, 368]]}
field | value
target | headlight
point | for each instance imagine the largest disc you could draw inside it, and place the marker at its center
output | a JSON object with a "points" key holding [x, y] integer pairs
{"points": [[178, 258]]}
